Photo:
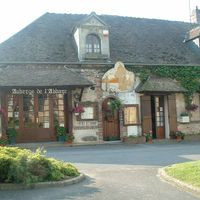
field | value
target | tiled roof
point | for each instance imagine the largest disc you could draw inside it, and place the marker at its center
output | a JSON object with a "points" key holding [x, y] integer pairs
{"points": [[132, 40]]}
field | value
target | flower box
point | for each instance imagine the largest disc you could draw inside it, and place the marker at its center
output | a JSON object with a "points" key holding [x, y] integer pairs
{"points": [[184, 119]]}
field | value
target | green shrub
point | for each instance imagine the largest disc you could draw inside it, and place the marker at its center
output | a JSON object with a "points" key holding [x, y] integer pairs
{"points": [[3, 142], [23, 166]]}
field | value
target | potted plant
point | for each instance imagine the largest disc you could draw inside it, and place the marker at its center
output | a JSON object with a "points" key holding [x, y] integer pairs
{"points": [[184, 117], [78, 109], [12, 134], [69, 138], [179, 135], [148, 137], [61, 133]]}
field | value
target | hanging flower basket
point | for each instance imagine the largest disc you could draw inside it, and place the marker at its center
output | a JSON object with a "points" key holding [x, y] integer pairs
{"points": [[115, 104], [78, 109], [191, 107]]}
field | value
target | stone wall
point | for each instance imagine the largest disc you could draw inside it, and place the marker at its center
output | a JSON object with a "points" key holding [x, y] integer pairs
{"points": [[94, 128], [194, 125]]}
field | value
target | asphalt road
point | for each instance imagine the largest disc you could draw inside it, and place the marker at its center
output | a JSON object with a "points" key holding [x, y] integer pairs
{"points": [[116, 172]]}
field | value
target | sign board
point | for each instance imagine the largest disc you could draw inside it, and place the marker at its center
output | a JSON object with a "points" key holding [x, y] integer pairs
{"points": [[38, 91]]}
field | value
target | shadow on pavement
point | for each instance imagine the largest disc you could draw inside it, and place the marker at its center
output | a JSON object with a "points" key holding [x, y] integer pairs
{"points": [[85, 188]]}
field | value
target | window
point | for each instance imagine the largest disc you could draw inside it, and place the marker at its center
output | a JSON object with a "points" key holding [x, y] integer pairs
{"points": [[159, 111], [131, 115], [90, 111], [93, 44], [58, 109], [28, 108], [43, 111], [13, 111]]}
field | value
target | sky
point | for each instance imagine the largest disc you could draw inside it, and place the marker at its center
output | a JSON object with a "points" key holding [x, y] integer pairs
{"points": [[16, 14]]}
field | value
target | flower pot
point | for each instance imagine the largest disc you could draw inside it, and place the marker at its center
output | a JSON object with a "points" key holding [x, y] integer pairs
{"points": [[76, 114], [69, 141], [178, 138], [61, 138], [150, 141]]}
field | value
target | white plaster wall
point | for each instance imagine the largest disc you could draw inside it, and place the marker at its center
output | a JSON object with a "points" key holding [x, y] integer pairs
{"points": [[196, 42], [132, 98], [77, 39]]}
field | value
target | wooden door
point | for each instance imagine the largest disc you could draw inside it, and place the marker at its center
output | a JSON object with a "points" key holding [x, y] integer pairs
{"points": [[146, 115], [159, 117], [172, 114], [111, 129], [36, 119]]}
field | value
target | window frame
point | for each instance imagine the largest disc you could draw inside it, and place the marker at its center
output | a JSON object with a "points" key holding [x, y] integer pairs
{"points": [[89, 104], [137, 115], [92, 43]]}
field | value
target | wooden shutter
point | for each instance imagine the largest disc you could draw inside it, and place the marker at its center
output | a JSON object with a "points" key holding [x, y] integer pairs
{"points": [[146, 113], [172, 113]]}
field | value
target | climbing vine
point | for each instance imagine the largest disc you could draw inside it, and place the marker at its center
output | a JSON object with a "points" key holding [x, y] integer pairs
{"points": [[189, 77]]}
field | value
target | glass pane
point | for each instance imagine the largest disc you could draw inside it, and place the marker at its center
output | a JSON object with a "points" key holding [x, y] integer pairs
{"points": [[92, 44], [130, 115], [88, 114], [43, 114], [28, 108], [58, 109], [13, 111]]}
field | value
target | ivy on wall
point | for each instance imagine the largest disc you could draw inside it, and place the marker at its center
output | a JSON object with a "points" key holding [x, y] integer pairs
{"points": [[189, 77]]}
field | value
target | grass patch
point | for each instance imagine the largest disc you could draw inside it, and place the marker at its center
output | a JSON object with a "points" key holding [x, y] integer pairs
{"points": [[23, 166], [188, 172]]}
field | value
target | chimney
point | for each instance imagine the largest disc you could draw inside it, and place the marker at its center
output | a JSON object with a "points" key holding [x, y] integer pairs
{"points": [[195, 17]]}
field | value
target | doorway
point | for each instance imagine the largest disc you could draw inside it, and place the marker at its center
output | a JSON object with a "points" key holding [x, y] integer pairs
{"points": [[111, 128], [158, 117]]}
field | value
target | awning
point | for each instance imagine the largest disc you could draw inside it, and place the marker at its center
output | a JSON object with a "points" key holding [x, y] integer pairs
{"points": [[160, 84], [40, 76]]}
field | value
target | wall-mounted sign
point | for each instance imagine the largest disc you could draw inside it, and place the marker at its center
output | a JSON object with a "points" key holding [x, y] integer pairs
{"points": [[131, 115], [38, 91], [118, 79]]}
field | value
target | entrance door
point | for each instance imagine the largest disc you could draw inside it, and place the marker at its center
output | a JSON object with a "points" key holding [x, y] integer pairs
{"points": [[110, 122], [158, 119], [35, 116]]}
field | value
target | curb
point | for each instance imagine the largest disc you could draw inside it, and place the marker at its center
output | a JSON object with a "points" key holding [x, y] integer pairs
{"points": [[11, 186], [180, 184], [60, 144]]}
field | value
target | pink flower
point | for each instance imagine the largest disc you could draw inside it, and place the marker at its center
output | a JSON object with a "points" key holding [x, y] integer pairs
{"points": [[79, 109]]}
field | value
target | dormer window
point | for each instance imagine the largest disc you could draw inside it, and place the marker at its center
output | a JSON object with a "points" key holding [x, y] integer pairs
{"points": [[93, 44]]}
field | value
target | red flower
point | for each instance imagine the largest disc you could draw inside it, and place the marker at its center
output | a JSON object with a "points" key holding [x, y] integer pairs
{"points": [[192, 107], [78, 109]]}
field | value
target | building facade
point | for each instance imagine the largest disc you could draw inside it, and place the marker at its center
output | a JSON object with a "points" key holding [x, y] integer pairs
{"points": [[62, 64]]}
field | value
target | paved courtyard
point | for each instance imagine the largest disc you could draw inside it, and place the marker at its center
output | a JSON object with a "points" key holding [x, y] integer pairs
{"points": [[121, 172]]}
